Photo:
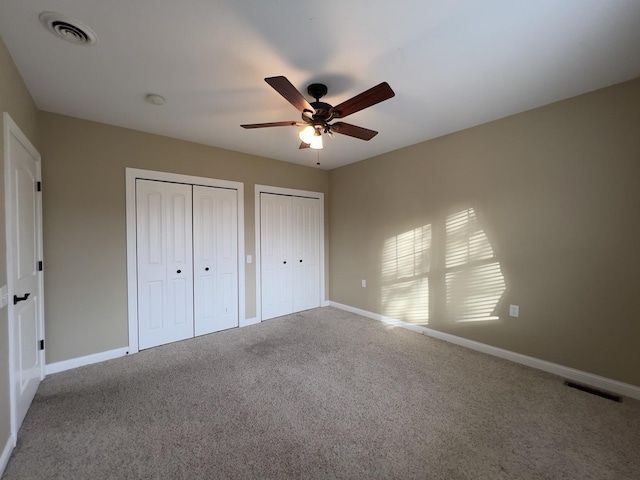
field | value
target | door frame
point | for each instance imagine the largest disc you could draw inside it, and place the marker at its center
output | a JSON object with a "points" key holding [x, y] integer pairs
{"points": [[258, 212], [12, 129], [131, 175]]}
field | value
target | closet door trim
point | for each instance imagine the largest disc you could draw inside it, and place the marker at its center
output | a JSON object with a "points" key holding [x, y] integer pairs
{"points": [[292, 193], [131, 174]]}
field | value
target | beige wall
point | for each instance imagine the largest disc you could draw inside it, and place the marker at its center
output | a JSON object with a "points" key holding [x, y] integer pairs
{"points": [[14, 99], [556, 190], [83, 171]]}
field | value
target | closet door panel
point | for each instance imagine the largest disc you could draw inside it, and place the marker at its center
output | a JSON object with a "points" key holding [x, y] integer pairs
{"points": [[152, 282], [180, 258], [275, 252], [227, 254], [165, 275], [215, 232], [306, 253], [204, 247]]}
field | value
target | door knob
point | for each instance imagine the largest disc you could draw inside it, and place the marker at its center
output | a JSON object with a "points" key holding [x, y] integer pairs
{"points": [[300, 260], [284, 262], [206, 269], [179, 271], [17, 299]]}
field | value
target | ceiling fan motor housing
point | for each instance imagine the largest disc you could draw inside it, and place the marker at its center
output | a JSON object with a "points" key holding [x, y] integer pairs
{"points": [[322, 113]]}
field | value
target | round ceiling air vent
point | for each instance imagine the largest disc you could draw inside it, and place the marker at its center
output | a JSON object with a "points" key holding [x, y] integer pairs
{"points": [[68, 29]]}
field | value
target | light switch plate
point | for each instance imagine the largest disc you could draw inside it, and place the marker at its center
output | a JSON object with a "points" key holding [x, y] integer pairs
{"points": [[514, 311], [249, 259], [4, 296]]}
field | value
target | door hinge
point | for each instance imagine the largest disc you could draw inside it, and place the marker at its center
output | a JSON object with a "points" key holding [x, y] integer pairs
{"points": [[41, 344], [38, 186], [40, 266]]}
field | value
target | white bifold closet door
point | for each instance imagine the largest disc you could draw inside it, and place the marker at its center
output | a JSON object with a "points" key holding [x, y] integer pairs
{"points": [[215, 259], [305, 253], [165, 262], [275, 255], [187, 251], [290, 254]]}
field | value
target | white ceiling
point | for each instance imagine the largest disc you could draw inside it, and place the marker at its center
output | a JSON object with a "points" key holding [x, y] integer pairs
{"points": [[452, 63]]}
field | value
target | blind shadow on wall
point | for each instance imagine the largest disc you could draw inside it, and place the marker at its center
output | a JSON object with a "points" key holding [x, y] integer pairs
{"points": [[453, 256]]}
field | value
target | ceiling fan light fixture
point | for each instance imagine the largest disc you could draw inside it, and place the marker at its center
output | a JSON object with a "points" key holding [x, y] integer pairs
{"points": [[307, 134], [316, 142]]}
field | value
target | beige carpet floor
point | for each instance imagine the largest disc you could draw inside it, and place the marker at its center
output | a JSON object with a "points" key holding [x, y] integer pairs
{"points": [[321, 394]]}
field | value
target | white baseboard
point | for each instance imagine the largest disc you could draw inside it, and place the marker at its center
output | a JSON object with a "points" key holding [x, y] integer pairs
{"points": [[86, 360], [6, 453], [109, 355], [586, 378]]}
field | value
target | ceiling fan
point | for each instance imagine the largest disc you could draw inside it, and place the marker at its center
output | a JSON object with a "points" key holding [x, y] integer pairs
{"points": [[317, 115]]}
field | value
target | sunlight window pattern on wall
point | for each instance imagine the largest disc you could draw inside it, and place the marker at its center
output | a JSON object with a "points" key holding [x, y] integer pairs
{"points": [[474, 280], [406, 261]]}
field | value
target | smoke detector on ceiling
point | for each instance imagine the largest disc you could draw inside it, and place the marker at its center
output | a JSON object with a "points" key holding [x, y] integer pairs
{"points": [[155, 99], [68, 29]]}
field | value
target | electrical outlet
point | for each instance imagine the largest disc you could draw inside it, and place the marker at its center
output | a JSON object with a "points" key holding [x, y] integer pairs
{"points": [[514, 311], [364, 284]]}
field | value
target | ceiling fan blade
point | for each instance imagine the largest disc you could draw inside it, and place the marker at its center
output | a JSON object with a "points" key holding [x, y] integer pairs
{"points": [[304, 145], [374, 95], [289, 92], [353, 131], [273, 124]]}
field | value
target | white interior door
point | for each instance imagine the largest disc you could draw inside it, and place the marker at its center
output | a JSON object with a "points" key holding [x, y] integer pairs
{"points": [[215, 258], [165, 262], [306, 253], [24, 232], [276, 255]]}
